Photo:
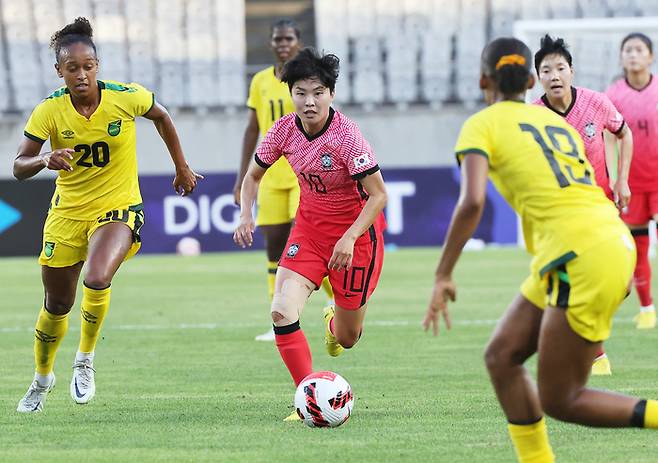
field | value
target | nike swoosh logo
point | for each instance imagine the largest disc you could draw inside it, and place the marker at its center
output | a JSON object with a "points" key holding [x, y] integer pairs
{"points": [[36, 407], [349, 295], [77, 391]]}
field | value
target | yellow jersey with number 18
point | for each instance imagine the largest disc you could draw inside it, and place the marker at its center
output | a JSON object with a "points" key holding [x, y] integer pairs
{"points": [[104, 175], [537, 162], [271, 100]]}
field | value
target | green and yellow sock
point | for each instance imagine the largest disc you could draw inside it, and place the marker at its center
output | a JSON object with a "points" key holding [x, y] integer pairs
{"points": [[327, 288], [645, 414], [95, 303], [271, 277], [48, 334], [531, 442]]}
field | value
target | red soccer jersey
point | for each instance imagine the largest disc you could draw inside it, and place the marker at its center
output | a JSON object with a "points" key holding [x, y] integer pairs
{"points": [[640, 110], [591, 112], [328, 166]]}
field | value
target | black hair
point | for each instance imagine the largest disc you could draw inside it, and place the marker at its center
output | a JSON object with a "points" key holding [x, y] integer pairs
{"points": [[309, 63], [507, 61], [78, 31], [638, 35], [285, 23], [550, 46]]}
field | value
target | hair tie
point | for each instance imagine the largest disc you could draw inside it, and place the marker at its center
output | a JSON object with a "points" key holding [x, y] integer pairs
{"points": [[510, 59]]}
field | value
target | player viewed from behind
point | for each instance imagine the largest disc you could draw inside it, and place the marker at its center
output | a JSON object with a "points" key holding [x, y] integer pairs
{"points": [[339, 223], [591, 114], [583, 258], [96, 212], [636, 97], [278, 194]]}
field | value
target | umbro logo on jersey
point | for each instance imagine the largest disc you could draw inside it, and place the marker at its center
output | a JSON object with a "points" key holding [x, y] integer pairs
{"points": [[326, 161], [590, 130], [292, 250], [68, 134], [114, 128]]}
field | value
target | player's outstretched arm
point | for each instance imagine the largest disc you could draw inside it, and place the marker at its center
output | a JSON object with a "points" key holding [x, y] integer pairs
{"points": [[185, 179], [622, 192], [465, 220], [244, 233], [30, 162], [377, 197], [249, 141]]}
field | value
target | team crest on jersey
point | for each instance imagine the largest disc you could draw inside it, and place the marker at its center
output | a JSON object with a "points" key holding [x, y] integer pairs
{"points": [[292, 250], [68, 134], [326, 160], [590, 130], [114, 128], [48, 249]]}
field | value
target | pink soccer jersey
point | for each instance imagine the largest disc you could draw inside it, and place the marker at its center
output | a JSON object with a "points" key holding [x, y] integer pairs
{"points": [[328, 166], [591, 112], [640, 110]]}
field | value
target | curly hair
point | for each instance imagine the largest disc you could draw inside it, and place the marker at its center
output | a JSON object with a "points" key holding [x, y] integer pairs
{"points": [[79, 30]]}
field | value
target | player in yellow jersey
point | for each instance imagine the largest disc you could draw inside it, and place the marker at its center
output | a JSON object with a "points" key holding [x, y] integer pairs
{"points": [[96, 211], [583, 259], [278, 195]]}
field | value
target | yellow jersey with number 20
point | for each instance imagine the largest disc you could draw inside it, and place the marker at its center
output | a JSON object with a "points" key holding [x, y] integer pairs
{"points": [[271, 100], [537, 162], [104, 175]]}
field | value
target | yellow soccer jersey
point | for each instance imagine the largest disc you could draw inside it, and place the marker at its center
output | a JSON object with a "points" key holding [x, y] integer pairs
{"points": [[271, 100], [537, 162], [104, 175]]}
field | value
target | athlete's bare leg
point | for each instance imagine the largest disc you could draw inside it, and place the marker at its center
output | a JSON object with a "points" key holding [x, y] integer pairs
{"points": [[108, 247], [59, 286]]}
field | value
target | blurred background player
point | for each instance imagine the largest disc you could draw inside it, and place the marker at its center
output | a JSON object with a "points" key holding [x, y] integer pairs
{"points": [[583, 259], [636, 97], [591, 114], [339, 223], [96, 211], [278, 194]]}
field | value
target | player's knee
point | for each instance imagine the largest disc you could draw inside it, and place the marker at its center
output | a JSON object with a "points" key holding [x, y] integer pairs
{"points": [[499, 356], [98, 279], [277, 316], [558, 404], [59, 305], [288, 302]]}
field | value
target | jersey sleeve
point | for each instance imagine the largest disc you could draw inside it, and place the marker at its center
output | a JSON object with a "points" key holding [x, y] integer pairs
{"points": [[253, 98], [40, 124], [614, 121], [269, 150], [142, 100], [474, 138], [357, 154]]}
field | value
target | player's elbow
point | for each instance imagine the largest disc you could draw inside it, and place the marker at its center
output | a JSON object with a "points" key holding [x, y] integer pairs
{"points": [[471, 204], [18, 172]]}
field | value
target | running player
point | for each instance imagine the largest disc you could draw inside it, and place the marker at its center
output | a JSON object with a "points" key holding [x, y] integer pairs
{"points": [[96, 211], [583, 259], [278, 195], [590, 113], [636, 97], [339, 223]]}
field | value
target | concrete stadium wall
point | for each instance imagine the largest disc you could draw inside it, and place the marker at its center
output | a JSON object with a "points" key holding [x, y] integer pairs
{"points": [[415, 137]]}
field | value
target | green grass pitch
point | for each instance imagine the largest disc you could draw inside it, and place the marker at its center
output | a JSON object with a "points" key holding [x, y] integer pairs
{"points": [[179, 377]]}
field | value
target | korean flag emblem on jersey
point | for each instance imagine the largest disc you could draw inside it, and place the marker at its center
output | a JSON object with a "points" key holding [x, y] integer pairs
{"points": [[362, 160]]}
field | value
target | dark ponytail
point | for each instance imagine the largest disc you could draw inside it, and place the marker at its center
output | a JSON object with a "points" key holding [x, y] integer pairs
{"points": [[507, 61]]}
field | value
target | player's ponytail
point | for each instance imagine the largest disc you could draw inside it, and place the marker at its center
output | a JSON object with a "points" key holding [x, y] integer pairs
{"points": [[79, 30], [507, 61]]}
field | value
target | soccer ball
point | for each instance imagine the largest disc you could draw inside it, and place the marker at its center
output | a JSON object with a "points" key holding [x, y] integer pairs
{"points": [[188, 246], [324, 399]]}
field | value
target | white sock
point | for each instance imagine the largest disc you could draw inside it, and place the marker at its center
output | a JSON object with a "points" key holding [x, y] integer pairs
{"points": [[648, 308], [81, 356], [44, 380]]}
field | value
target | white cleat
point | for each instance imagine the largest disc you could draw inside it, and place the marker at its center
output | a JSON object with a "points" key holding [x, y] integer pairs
{"points": [[35, 397], [267, 337], [83, 386]]}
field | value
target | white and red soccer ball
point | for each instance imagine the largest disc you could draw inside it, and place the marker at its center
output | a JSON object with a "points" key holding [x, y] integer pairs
{"points": [[324, 400]]}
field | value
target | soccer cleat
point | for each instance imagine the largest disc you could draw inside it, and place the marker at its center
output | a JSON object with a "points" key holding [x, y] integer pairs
{"points": [[294, 416], [83, 386], [601, 366], [333, 348], [269, 336], [35, 397], [645, 320]]}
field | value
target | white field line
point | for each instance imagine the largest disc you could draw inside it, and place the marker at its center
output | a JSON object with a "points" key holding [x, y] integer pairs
{"points": [[217, 326]]}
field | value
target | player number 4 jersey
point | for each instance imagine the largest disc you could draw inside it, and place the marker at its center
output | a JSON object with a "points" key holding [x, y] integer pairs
{"points": [[104, 175]]}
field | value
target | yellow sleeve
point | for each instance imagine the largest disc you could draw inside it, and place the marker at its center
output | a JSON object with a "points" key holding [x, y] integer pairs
{"points": [[142, 100], [40, 124], [254, 97], [474, 138]]}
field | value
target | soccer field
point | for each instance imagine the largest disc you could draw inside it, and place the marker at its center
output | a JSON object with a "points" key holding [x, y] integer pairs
{"points": [[179, 377]]}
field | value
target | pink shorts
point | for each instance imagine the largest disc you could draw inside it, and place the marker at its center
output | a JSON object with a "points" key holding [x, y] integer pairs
{"points": [[642, 208], [353, 287]]}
